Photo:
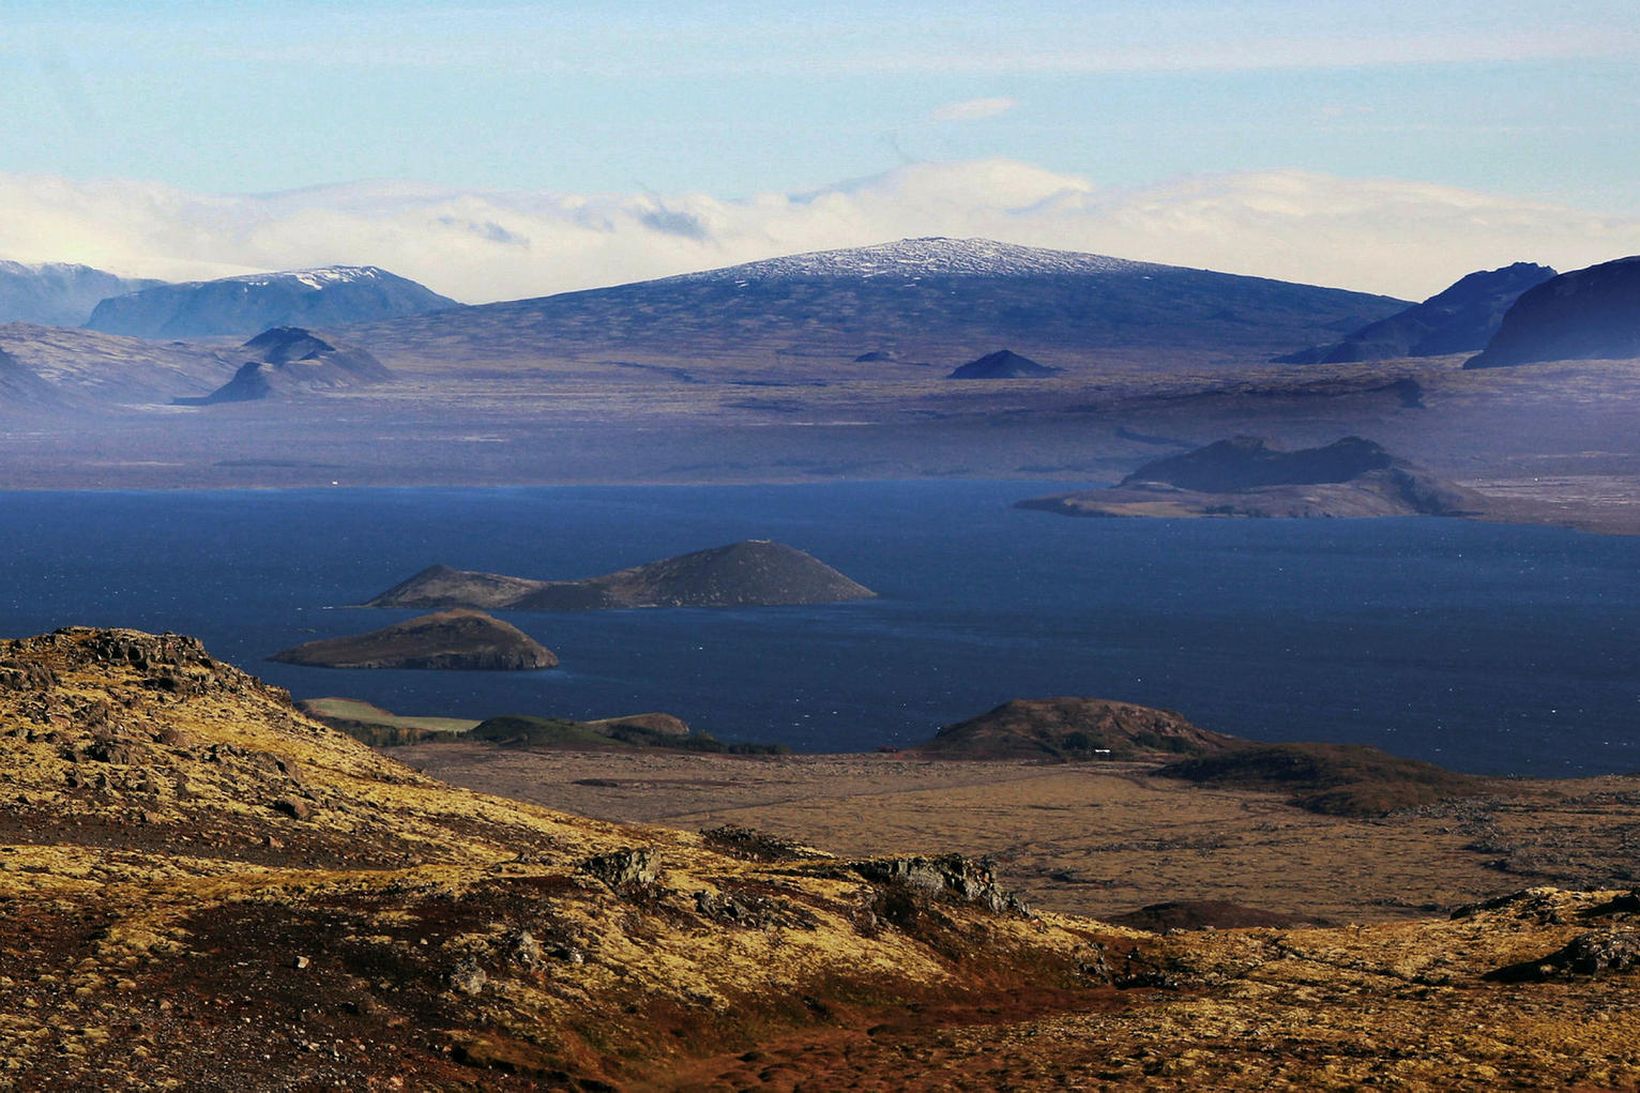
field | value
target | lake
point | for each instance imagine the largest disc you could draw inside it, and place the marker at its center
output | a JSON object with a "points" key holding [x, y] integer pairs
{"points": [[1483, 647]]}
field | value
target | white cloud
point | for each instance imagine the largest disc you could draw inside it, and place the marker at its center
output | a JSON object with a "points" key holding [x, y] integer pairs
{"points": [[973, 109], [1403, 238]]}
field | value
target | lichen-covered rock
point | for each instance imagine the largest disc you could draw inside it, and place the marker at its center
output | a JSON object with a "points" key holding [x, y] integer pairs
{"points": [[627, 869], [952, 876], [468, 978]]}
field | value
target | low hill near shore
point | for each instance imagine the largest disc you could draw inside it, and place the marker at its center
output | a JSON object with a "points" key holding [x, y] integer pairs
{"points": [[753, 573], [1068, 728]]}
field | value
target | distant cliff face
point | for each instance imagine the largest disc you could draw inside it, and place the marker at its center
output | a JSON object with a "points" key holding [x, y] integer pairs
{"points": [[288, 360], [1587, 314], [58, 293], [753, 573], [1459, 319], [238, 306], [1246, 476], [1074, 728], [457, 640]]}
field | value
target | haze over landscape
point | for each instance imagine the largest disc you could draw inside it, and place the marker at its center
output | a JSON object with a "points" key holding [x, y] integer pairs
{"points": [[1026, 546]]}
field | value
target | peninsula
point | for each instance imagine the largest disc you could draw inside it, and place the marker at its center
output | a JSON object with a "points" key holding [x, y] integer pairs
{"points": [[1247, 476]]}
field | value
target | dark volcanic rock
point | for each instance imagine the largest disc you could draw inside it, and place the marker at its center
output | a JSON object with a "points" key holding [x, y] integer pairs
{"points": [[289, 360], [756, 572], [1004, 364], [951, 876], [1587, 314], [330, 296], [457, 639], [1073, 728], [1459, 319]]}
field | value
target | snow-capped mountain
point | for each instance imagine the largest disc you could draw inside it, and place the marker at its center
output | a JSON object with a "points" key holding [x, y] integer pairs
{"points": [[57, 293], [251, 303], [932, 256], [889, 308]]}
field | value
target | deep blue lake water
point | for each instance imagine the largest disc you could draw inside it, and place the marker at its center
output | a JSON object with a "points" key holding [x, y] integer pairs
{"points": [[1482, 647]]}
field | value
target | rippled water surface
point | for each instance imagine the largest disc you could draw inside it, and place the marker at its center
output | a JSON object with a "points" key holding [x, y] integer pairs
{"points": [[1483, 647]]}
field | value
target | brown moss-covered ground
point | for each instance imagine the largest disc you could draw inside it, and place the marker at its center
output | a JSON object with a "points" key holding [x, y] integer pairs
{"points": [[201, 889]]}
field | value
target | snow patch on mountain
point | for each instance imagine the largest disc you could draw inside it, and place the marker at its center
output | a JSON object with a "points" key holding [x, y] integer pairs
{"points": [[933, 256]]}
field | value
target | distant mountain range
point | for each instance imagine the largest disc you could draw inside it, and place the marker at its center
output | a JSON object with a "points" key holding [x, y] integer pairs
{"points": [[1587, 314], [58, 293], [939, 301], [1460, 319], [242, 306]]}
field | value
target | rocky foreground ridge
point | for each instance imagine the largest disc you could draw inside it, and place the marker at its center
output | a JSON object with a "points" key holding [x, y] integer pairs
{"points": [[204, 888]]}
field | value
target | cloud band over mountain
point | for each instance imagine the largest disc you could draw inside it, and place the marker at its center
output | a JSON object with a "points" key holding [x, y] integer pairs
{"points": [[1402, 238]]}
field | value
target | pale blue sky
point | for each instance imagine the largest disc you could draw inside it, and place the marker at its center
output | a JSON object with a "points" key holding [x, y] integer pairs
{"points": [[1530, 99]]}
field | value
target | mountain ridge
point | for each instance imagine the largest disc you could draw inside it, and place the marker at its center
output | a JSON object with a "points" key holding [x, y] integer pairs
{"points": [[927, 299], [247, 304]]}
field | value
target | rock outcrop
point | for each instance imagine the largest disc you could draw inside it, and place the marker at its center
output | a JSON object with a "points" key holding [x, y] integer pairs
{"points": [[452, 640]]}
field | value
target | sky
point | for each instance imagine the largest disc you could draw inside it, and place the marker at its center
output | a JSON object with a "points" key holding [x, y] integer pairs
{"points": [[510, 149]]}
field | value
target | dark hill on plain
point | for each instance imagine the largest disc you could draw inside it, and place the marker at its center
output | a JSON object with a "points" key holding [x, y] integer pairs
{"points": [[1004, 364], [1247, 476], [931, 299], [239, 306], [288, 360], [756, 572], [456, 640], [1336, 779], [1459, 319], [1587, 314], [1068, 728]]}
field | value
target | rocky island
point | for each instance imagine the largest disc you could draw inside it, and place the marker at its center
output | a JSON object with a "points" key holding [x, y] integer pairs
{"points": [[754, 573], [1247, 476], [458, 639]]}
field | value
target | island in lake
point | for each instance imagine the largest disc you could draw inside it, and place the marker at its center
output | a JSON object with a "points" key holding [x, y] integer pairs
{"points": [[753, 573], [457, 639], [1247, 476]]}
